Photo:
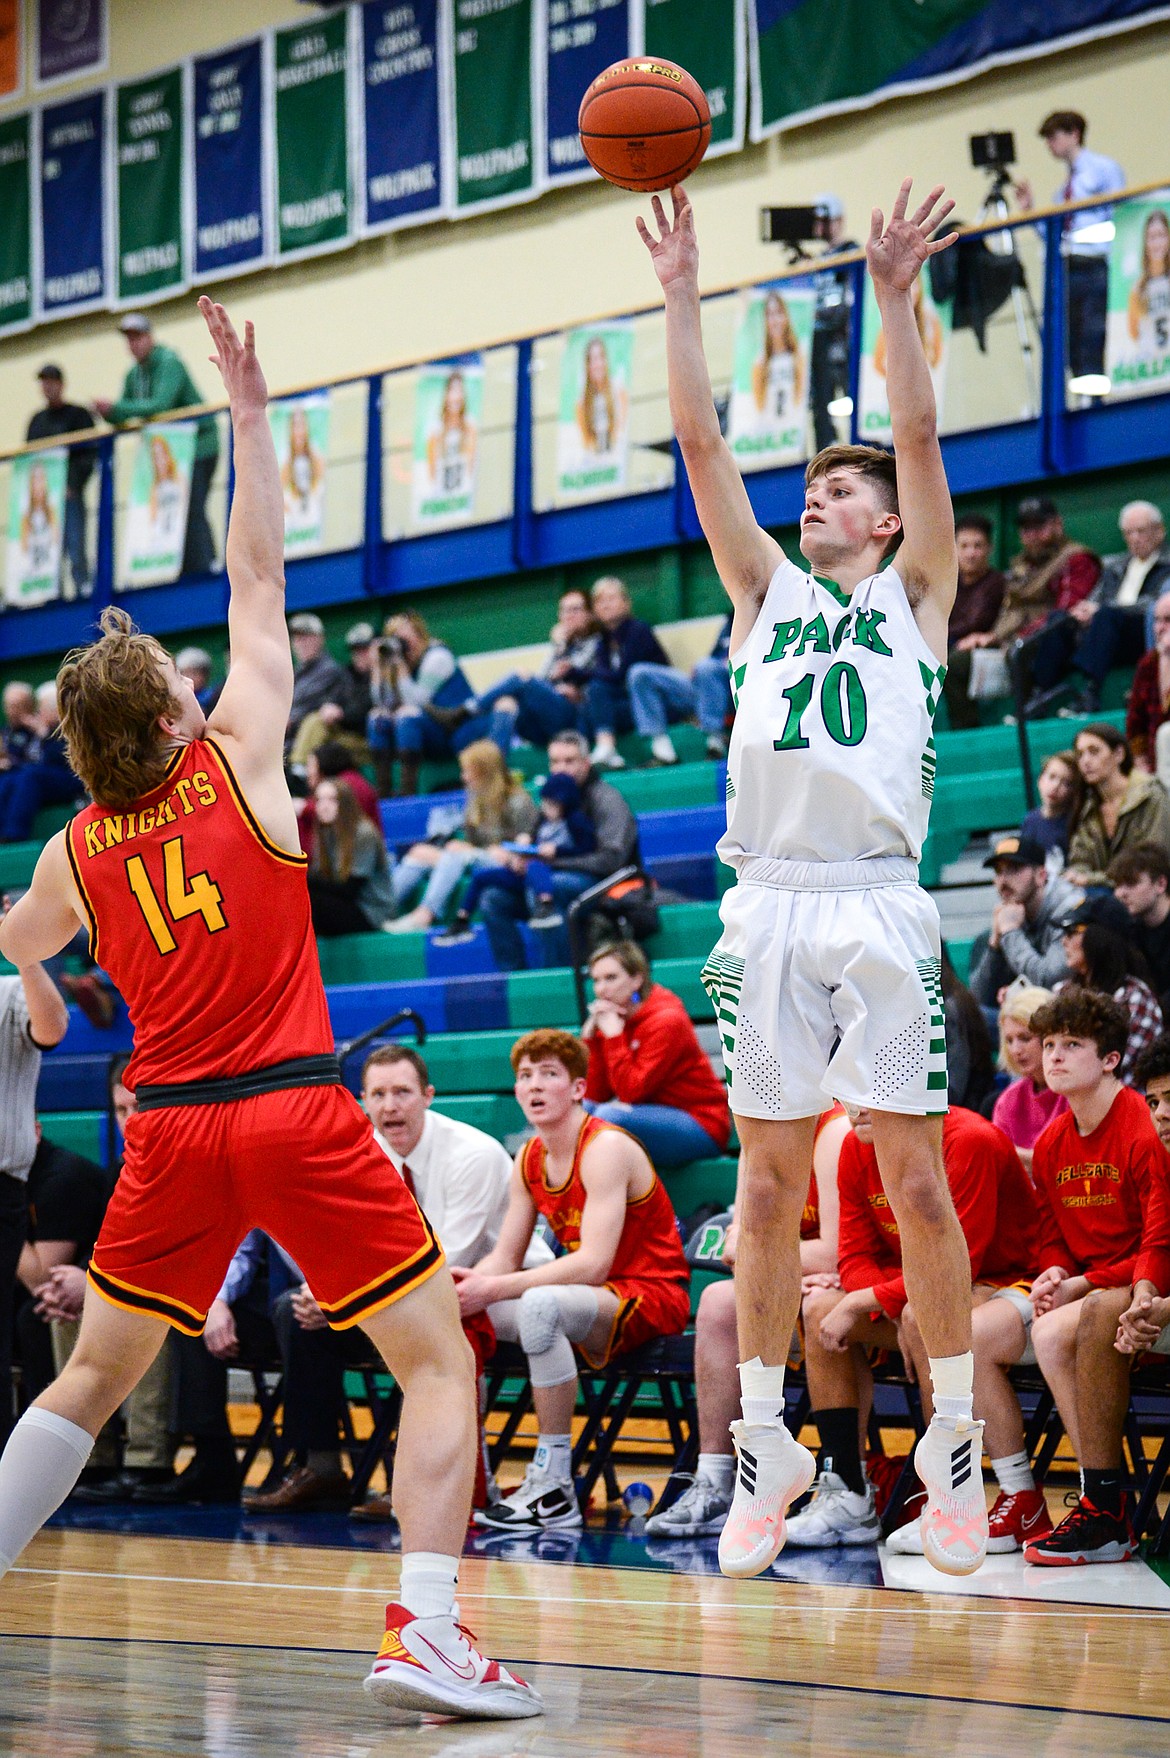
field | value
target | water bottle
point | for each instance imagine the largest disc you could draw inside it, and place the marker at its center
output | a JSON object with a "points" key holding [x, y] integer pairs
{"points": [[638, 1499]]}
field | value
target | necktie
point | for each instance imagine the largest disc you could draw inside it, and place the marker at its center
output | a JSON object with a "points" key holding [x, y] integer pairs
{"points": [[408, 1180]]}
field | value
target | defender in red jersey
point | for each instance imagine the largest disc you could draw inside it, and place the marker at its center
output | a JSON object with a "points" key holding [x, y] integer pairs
{"points": [[622, 1278], [187, 872]]}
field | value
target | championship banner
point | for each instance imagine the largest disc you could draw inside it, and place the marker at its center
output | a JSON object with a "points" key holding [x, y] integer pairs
{"points": [[1137, 356], [73, 206], [448, 413], [402, 113], [16, 229], [11, 47], [708, 38], [72, 39], [934, 326], [36, 521], [584, 36], [156, 513], [768, 415], [150, 153], [228, 156], [593, 430], [313, 185], [496, 76], [814, 58], [300, 433]]}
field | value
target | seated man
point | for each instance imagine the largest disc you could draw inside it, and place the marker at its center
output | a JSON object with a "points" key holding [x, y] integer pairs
{"points": [[622, 1278], [1112, 623], [702, 1509], [1103, 1180], [1026, 938], [994, 1204], [977, 605], [44, 779], [660, 694], [1140, 878], [626, 641], [536, 709]]}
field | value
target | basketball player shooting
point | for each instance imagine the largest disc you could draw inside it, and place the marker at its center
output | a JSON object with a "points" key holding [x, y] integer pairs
{"points": [[826, 979], [186, 871]]}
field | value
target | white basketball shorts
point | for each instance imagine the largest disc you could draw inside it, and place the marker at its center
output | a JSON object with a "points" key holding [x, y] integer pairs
{"points": [[826, 985]]}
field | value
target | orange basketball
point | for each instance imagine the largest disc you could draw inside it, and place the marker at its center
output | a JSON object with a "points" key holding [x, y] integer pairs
{"points": [[644, 124]]}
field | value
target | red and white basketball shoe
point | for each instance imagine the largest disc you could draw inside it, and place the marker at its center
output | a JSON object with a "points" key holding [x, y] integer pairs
{"points": [[772, 1469], [949, 1460], [432, 1666], [1018, 1519]]}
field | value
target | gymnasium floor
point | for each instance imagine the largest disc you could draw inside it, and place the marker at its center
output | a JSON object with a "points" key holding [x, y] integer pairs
{"points": [[206, 1632]]}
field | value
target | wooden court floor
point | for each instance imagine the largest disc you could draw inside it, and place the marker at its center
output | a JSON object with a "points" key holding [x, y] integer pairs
{"points": [[132, 1645]]}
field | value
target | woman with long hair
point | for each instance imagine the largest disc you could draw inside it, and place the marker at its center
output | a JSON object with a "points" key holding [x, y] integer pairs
{"points": [[601, 409], [930, 331], [451, 443], [1123, 806], [1062, 795], [166, 488], [1027, 1104], [1149, 299], [38, 519], [778, 375], [349, 872], [303, 471]]}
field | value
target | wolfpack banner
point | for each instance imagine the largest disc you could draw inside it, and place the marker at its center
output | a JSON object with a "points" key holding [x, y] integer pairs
{"points": [[707, 37], [495, 63], [150, 188], [73, 274], [228, 154], [403, 70], [16, 231], [313, 161], [584, 37]]}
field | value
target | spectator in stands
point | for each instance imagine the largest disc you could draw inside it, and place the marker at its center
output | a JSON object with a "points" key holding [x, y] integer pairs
{"points": [[21, 731], [157, 383], [67, 1196], [56, 420], [45, 779], [1103, 1180], [195, 664], [977, 605], [661, 694], [349, 870], [1148, 706], [1062, 796], [1141, 882], [536, 709], [1101, 958], [342, 717], [647, 1070], [420, 700], [970, 1072], [318, 675], [561, 832], [334, 762], [1113, 621], [621, 1279], [995, 1209], [625, 641], [1086, 256], [497, 809], [829, 373], [1025, 937], [614, 827], [1026, 1105], [1123, 807], [702, 1509]]}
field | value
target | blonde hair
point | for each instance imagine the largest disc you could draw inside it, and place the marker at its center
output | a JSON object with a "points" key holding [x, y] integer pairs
{"points": [[494, 783], [112, 696], [1019, 1005]]}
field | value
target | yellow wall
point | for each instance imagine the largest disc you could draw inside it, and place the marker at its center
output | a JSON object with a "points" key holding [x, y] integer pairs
{"points": [[574, 254]]}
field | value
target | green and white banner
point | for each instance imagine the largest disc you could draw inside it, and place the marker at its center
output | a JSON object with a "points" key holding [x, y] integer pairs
{"points": [[1138, 335], [498, 59], [300, 433], [156, 513], [16, 226], [448, 412], [593, 424], [768, 414], [934, 326], [709, 39], [36, 519], [149, 187], [314, 160]]}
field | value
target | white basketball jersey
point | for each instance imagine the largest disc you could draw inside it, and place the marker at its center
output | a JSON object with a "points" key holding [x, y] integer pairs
{"points": [[832, 756]]}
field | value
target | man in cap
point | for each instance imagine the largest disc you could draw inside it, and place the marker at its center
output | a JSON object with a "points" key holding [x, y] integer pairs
{"points": [[56, 419], [157, 382], [1026, 925], [319, 678], [195, 664], [341, 717]]}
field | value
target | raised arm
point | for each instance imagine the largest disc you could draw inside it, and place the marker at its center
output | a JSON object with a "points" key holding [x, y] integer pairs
{"points": [[745, 555], [926, 561]]}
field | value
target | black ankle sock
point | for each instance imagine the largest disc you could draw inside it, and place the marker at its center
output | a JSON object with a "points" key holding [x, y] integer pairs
{"points": [[840, 1448], [1104, 1489]]}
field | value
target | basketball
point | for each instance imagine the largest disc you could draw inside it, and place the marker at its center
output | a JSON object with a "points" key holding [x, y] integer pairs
{"points": [[644, 124]]}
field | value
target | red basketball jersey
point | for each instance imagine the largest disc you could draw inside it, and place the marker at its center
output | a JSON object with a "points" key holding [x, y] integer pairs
{"points": [[810, 1220], [203, 923]]}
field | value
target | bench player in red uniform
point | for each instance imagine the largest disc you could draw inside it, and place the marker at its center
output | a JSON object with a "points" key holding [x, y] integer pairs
{"points": [[188, 874]]}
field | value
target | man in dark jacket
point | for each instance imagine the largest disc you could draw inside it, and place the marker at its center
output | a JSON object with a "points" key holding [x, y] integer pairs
{"points": [[55, 421], [1113, 621], [625, 642], [977, 605], [319, 678]]}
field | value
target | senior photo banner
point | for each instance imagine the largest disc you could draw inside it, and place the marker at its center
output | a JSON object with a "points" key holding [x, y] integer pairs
{"points": [[314, 197], [403, 67], [593, 425], [709, 39], [11, 47], [934, 326], [73, 269], [72, 39], [1138, 335], [36, 522], [300, 433], [150, 151], [768, 416], [448, 411], [231, 234], [15, 225], [156, 513], [497, 139], [584, 37]]}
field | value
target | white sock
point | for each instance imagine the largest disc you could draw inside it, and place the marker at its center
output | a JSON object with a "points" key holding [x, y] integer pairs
{"points": [[554, 1457], [953, 1378], [45, 1456], [1013, 1473], [662, 747], [427, 1588], [762, 1391], [717, 1469]]}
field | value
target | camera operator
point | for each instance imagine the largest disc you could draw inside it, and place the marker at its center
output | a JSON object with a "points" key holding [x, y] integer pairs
{"points": [[422, 703], [829, 375]]}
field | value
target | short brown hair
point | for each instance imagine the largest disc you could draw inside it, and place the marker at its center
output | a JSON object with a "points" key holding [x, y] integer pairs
{"points": [[111, 697], [1144, 860], [391, 1053], [1066, 121], [1085, 1013], [872, 464], [629, 955], [562, 1047]]}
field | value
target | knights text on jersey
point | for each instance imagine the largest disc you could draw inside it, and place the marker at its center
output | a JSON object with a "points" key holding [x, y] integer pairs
{"points": [[832, 755]]}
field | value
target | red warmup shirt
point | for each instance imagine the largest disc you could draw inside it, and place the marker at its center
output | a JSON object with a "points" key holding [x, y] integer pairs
{"points": [[1105, 1197], [658, 1060], [994, 1201]]}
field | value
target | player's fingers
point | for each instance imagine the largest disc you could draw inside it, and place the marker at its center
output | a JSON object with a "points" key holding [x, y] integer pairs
{"points": [[249, 336], [644, 232], [937, 220], [877, 225], [680, 201], [901, 199], [938, 244], [925, 207], [659, 214]]}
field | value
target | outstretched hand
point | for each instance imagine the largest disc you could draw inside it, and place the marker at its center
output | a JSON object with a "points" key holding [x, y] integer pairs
{"points": [[896, 253], [236, 360], [675, 252]]}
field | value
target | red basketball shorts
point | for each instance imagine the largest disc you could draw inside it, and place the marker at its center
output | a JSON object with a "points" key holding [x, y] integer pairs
{"points": [[646, 1309], [302, 1165]]}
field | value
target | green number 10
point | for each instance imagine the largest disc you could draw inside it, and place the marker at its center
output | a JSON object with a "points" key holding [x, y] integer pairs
{"points": [[843, 708]]}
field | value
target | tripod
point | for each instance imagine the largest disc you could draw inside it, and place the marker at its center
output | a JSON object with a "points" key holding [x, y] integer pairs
{"points": [[995, 207]]}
